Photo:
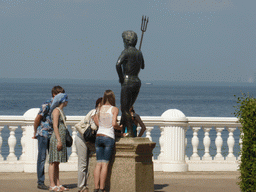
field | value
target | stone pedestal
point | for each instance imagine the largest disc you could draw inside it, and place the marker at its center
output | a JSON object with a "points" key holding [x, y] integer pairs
{"points": [[131, 167]]}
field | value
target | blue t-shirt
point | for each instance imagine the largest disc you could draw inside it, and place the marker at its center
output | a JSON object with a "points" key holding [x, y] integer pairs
{"points": [[134, 129], [45, 128]]}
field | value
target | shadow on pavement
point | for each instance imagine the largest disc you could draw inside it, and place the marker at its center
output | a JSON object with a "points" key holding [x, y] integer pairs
{"points": [[70, 186], [159, 187]]}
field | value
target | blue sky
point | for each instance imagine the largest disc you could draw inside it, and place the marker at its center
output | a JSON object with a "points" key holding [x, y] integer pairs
{"points": [[186, 40]]}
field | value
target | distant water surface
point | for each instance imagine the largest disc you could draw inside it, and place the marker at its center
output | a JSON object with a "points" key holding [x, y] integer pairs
{"points": [[16, 97]]}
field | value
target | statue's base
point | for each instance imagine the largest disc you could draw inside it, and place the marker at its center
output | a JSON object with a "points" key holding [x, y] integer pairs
{"points": [[131, 167]]}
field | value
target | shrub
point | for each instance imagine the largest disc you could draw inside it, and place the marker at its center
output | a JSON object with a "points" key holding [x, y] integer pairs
{"points": [[246, 113]]}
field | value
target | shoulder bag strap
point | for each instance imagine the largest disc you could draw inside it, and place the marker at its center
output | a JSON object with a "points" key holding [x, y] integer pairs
{"points": [[61, 113]]}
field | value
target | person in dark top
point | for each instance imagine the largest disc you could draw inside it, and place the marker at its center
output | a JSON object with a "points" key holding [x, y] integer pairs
{"points": [[136, 120]]}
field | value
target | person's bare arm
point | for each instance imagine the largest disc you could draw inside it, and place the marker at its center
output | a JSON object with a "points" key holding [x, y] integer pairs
{"points": [[114, 120], [142, 125], [36, 124], [55, 120]]}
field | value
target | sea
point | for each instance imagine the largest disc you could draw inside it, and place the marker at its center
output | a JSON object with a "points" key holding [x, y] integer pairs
{"points": [[194, 99]]}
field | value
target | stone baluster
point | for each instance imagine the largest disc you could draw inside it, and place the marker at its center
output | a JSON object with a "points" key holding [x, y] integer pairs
{"points": [[241, 142], [1, 142], [219, 143], [207, 143], [31, 145], [148, 132], [161, 144], [148, 135], [73, 156], [175, 123], [186, 142], [241, 145], [195, 143], [12, 142], [138, 130], [231, 144], [23, 143]]}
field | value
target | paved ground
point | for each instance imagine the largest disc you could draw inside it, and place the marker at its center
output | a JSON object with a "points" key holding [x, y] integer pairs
{"points": [[164, 182]]}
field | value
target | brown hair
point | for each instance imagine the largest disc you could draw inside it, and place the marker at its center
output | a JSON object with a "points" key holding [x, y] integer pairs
{"points": [[110, 97], [99, 100], [57, 89]]}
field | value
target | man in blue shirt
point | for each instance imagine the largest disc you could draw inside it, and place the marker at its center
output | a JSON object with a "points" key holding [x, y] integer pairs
{"points": [[42, 132]]}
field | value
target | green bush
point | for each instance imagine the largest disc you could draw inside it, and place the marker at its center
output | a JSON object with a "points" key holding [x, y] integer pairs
{"points": [[246, 112]]}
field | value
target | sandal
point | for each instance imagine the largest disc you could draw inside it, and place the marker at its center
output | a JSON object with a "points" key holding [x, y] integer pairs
{"points": [[96, 190], [52, 189], [62, 188]]}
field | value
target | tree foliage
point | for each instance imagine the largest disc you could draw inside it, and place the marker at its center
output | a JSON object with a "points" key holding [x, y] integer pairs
{"points": [[246, 113]]}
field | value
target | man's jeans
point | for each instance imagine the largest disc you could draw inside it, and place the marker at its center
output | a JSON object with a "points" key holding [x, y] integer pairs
{"points": [[43, 146]]}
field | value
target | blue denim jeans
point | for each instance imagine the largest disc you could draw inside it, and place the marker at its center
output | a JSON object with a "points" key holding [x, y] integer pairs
{"points": [[104, 148], [43, 146]]}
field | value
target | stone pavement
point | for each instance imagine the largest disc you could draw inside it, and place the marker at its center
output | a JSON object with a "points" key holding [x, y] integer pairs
{"points": [[164, 182]]}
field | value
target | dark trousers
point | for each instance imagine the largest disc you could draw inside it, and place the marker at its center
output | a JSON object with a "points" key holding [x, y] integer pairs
{"points": [[43, 146]]}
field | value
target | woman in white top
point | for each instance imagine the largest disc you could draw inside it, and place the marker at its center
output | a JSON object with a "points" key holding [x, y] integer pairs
{"points": [[106, 120]]}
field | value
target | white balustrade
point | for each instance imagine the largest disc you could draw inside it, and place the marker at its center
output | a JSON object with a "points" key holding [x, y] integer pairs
{"points": [[241, 141], [73, 156], [174, 122], [241, 145], [219, 143], [231, 144], [138, 130], [161, 144], [12, 143], [186, 142], [207, 143], [195, 143], [173, 125], [23, 143], [148, 132]]}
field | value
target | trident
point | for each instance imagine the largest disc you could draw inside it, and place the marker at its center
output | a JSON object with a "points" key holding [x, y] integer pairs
{"points": [[144, 24]]}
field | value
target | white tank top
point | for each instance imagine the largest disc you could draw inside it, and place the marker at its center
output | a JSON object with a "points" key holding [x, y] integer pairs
{"points": [[105, 121]]}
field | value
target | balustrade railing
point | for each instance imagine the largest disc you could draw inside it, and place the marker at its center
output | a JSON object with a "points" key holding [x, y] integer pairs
{"points": [[171, 133]]}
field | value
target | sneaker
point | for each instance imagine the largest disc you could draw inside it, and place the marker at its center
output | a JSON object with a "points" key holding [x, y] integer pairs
{"points": [[42, 186]]}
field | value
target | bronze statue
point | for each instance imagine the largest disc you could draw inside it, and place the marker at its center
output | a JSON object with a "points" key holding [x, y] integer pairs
{"points": [[128, 67]]}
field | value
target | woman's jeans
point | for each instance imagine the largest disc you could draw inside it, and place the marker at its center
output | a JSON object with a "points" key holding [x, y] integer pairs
{"points": [[104, 148], [43, 146]]}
